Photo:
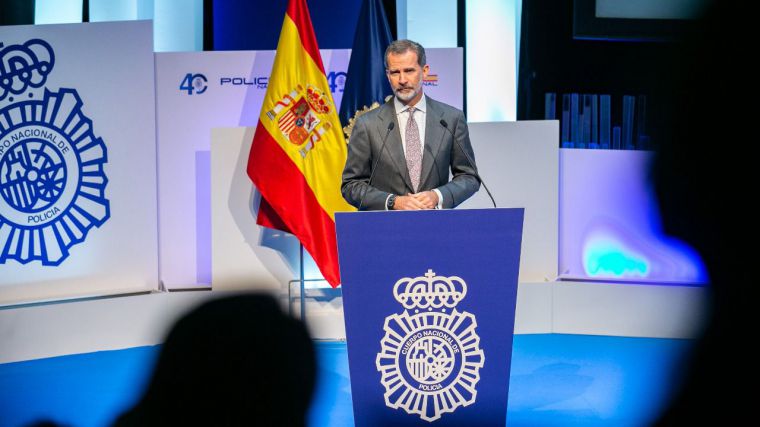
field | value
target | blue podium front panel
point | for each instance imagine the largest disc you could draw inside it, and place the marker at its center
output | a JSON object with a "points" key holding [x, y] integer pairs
{"points": [[429, 302]]}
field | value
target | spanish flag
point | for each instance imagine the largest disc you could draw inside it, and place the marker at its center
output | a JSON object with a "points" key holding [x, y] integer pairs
{"points": [[298, 150]]}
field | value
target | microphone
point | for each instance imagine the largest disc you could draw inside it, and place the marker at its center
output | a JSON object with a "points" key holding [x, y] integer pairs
{"points": [[391, 125], [469, 160]]}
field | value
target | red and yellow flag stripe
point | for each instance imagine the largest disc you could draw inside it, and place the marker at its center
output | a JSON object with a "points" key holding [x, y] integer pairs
{"points": [[298, 150]]}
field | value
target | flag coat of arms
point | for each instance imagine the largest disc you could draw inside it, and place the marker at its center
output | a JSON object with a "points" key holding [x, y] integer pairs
{"points": [[298, 151]]}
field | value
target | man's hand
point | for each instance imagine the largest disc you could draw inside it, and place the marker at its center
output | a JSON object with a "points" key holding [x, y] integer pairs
{"points": [[415, 202], [407, 203], [428, 199]]}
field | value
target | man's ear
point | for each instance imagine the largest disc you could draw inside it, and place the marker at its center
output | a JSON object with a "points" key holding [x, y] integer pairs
{"points": [[425, 70]]}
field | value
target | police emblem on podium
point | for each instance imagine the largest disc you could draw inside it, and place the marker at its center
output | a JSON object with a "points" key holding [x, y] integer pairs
{"points": [[52, 182], [431, 357]]}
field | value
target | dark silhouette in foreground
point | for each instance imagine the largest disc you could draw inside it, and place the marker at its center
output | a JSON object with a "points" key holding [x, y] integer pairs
{"points": [[231, 362], [704, 178]]}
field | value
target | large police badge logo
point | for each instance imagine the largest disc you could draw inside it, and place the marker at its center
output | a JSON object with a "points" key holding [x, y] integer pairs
{"points": [[299, 115], [430, 360], [52, 184]]}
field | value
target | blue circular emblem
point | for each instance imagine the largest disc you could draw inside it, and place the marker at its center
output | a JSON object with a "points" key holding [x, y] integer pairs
{"points": [[33, 176], [52, 183], [430, 359]]}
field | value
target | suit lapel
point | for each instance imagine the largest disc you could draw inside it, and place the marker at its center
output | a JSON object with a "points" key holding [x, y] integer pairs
{"points": [[394, 146], [433, 139]]}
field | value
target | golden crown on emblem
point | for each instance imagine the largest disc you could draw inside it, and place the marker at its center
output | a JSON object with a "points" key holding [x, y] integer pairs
{"points": [[317, 99]]}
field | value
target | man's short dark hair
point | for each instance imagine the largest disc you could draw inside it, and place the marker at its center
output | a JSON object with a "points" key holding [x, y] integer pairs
{"points": [[401, 46]]}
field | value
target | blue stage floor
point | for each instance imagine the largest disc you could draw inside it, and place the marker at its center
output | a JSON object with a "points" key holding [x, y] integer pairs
{"points": [[557, 380]]}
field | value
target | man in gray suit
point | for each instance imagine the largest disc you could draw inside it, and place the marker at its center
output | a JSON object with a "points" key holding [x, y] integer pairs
{"points": [[409, 143]]}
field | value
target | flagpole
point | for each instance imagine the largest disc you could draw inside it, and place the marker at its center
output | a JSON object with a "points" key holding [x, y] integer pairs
{"points": [[303, 287]]}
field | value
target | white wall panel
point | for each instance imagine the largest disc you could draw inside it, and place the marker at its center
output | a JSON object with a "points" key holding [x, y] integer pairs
{"points": [[519, 161], [98, 96]]}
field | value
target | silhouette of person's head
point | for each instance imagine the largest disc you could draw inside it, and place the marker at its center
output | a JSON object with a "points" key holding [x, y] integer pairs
{"points": [[233, 361]]}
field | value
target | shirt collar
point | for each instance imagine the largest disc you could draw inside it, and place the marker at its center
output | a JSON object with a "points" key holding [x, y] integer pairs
{"points": [[401, 108]]}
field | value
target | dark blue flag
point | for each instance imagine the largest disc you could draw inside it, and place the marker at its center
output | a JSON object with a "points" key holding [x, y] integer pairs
{"points": [[366, 82]]}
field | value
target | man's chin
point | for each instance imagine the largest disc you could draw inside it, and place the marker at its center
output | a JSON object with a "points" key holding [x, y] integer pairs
{"points": [[405, 96]]}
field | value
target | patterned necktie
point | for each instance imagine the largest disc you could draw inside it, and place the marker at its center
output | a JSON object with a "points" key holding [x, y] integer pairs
{"points": [[413, 150]]}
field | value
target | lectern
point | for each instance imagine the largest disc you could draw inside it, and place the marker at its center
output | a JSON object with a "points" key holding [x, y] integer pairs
{"points": [[429, 302]]}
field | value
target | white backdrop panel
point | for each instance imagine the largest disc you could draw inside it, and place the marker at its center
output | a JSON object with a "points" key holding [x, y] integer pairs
{"points": [[102, 72], [238, 259], [519, 161], [199, 91]]}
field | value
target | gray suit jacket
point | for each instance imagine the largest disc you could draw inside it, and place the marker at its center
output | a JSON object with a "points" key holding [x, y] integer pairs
{"points": [[440, 154]]}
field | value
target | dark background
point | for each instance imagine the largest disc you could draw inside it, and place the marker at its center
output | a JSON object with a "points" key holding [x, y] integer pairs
{"points": [[553, 58]]}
